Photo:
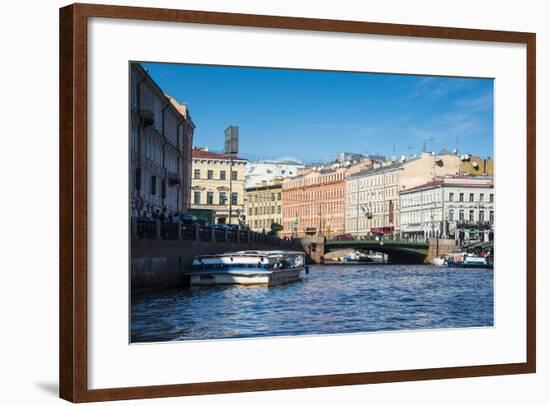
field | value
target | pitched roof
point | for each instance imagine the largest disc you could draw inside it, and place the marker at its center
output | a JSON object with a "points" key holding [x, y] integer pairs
{"points": [[447, 181], [200, 153]]}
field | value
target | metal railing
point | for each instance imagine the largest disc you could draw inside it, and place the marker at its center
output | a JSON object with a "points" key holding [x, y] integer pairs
{"points": [[143, 229], [146, 230]]}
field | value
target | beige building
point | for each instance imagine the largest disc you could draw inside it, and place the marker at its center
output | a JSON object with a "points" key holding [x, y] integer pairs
{"points": [[372, 200], [372, 195], [264, 205], [218, 185], [161, 139]]}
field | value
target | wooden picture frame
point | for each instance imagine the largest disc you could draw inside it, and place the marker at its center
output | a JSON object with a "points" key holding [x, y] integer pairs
{"points": [[74, 201]]}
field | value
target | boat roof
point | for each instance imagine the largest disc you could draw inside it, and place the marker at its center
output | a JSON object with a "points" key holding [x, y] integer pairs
{"points": [[252, 253]]}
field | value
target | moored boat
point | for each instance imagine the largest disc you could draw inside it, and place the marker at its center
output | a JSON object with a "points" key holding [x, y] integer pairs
{"points": [[248, 268], [440, 261], [467, 260]]}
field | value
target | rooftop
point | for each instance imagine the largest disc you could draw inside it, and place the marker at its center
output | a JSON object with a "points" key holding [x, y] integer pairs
{"points": [[456, 180], [378, 169], [201, 153]]}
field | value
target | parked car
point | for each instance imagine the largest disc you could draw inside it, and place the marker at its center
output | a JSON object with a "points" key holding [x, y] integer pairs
{"points": [[220, 226], [189, 219]]}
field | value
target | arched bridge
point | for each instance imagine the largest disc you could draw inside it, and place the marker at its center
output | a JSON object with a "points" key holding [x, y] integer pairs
{"points": [[398, 251]]}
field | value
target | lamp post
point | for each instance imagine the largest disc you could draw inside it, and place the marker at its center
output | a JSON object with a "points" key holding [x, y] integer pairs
{"points": [[230, 188]]}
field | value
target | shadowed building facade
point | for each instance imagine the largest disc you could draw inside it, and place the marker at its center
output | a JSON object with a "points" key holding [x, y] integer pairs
{"points": [[161, 139]]}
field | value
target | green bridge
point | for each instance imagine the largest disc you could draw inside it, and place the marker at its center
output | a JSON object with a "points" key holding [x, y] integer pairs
{"points": [[398, 251]]}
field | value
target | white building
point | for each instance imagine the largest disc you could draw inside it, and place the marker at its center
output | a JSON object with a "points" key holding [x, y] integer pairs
{"points": [[372, 200], [372, 195], [455, 207], [260, 172]]}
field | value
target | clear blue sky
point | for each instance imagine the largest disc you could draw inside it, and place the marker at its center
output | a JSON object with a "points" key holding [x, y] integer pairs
{"points": [[313, 115]]}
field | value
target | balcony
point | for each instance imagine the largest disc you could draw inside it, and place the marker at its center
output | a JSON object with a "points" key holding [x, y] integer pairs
{"points": [[147, 118], [484, 225], [173, 178]]}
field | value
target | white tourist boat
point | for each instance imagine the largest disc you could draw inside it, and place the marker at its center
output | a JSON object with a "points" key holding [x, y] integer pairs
{"points": [[249, 268], [467, 260]]}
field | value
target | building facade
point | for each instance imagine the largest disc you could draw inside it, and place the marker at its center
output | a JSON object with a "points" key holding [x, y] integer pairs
{"points": [[457, 207], [314, 201], [264, 204], [218, 184], [372, 195], [372, 201], [161, 139]]}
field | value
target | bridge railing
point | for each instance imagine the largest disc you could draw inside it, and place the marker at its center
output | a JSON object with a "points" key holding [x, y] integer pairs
{"points": [[144, 229]]}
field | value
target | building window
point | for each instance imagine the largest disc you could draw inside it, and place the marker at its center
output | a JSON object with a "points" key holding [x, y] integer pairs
{"points": [[451, 197], [272, 197], [481, 216], [197, 198], [279, 209], [209, 197], [461, 197], [471, 197], [234, 175], [197, 174], [279, 196], [481, 197], [451, 215], [153, 185], [255, 211], [222, 175], [163, 189], [471, 215], [461, 215], [250, 211], [223, 198], [491, 216], [138, 179], [234, 197], [491, 198], [210, 174], [272, 209]]}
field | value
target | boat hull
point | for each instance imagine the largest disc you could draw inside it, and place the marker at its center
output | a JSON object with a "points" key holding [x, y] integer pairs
{"points": [[469, 265], [206, 278]]}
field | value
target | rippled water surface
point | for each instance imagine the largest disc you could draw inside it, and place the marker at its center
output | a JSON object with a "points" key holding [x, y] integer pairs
{"points": [[333, 299]]}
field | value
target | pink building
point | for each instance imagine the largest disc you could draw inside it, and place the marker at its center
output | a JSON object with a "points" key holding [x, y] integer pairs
{"points": [[314, 202]]}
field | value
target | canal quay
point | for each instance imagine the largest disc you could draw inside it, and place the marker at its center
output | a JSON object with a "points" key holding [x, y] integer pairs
{"points": [[332, 299]]}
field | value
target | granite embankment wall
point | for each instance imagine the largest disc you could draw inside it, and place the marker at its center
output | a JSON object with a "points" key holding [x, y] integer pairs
{"points": [[439, 247], [163, 263]]}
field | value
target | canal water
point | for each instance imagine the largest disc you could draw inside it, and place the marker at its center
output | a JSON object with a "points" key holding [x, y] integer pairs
{"points": [[333, 299]]}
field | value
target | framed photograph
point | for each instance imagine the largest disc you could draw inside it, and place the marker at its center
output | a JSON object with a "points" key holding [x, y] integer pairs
{"points": [[255, 202]]}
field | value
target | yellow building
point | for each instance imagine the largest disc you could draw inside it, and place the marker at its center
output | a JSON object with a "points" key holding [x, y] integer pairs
{"points": [[264, 205], [218, 184], [473, 165]]}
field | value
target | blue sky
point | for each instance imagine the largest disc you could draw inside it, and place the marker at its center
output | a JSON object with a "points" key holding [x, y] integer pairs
{"points": [[312, 115]]}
